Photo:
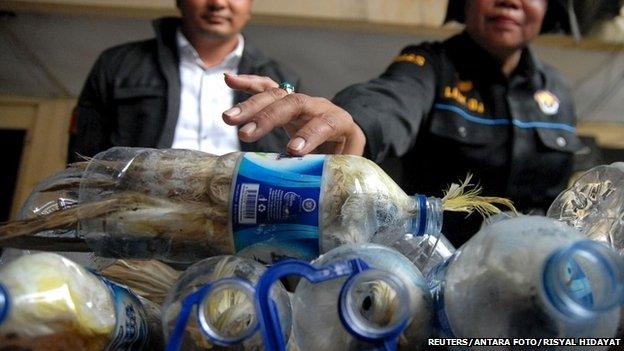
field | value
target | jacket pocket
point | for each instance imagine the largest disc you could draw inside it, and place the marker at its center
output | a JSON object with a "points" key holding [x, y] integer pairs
{"points": [[124, 93], [560, 140], [140, 113], [450, 125]]}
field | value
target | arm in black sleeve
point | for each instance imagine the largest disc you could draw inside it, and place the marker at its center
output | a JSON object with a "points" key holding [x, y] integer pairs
{"points": [[390, 108], [93, 119]]}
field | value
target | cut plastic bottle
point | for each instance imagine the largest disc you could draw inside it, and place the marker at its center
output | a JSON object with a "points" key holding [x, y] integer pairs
{"points": [[46, 299], [182, 206], [425, 251], [374, 303], [594, 204], [529, 277], [211, 306]]}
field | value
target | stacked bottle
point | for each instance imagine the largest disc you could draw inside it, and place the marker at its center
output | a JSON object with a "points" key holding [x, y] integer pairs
{"points": [[211, 306], [594, 204], [182, 206], [529, 277], [49, 302]]}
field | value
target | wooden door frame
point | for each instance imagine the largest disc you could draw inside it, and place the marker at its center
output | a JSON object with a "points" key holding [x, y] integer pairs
{"points": [[46, 124]]}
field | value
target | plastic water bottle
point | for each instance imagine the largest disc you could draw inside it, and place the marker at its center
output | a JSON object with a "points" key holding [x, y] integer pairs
{"points": [[182, 205], [46, 299], [211, 306], [269, 204], [425, 251], [325, 315], [594, 204], [57, 192], [528, 277]]}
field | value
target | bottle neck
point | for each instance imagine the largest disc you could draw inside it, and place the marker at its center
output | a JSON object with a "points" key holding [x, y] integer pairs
{"points": [[374, 305], [584, 279], [427, 217]]}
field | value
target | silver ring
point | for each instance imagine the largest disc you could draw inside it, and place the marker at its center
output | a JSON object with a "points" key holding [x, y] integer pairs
{"points": [[287, 86]]}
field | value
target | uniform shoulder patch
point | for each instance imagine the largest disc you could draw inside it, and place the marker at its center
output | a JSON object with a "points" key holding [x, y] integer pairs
{"points": [[547, 101], [464, 85], [413, 58]]}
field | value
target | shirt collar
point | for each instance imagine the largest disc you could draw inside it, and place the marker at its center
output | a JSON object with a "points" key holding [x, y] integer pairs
{"points": [[188, 52]]}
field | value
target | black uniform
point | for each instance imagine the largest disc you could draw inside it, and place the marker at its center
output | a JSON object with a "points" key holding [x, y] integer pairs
{"points": [[443, 110]]}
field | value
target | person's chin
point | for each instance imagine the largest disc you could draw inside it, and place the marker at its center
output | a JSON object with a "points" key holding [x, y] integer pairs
{"points": [[218, 31], [506, 41]]}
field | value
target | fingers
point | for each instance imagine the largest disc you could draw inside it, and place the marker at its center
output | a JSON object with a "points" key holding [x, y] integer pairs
{"points": [[245, 111], [280, 112], [354, 145], [310, 122], [330, 126], [249, 83]]}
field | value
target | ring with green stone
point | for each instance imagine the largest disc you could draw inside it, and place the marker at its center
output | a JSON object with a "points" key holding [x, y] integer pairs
{"points": [[288, 87]]}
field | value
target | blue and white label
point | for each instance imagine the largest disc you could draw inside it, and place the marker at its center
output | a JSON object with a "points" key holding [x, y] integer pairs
{"points": [[275, 205], [131, 328]]}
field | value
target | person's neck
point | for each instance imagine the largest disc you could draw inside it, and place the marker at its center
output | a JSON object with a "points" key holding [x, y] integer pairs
{"points": [[211, 50], [508, 61]]}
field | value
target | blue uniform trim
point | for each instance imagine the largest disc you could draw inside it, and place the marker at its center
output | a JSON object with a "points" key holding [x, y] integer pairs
{"points": [[504, 121]]}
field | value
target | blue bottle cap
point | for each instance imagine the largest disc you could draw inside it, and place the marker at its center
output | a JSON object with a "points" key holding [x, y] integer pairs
{"points": [[270, 327], [201, 298], [584, 279], [354, 295], [5, 303]]}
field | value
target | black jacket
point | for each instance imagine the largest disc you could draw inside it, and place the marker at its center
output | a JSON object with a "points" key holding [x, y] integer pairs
{"points": [[442, 110], [132, 95]]}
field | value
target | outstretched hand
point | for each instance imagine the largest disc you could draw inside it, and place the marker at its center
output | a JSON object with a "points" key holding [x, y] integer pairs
{"points": [[313, 124]]}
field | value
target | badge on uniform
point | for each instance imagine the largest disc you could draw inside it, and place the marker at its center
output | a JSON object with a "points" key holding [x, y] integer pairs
{"points": [[547, 101]]}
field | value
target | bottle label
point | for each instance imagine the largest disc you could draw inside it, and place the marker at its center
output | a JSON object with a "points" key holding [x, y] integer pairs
{"points": [[131, 327], [275, 205], [436, 279]]}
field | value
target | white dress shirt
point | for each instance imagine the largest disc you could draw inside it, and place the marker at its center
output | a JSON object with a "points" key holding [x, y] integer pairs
{"points": [[203, 98]]}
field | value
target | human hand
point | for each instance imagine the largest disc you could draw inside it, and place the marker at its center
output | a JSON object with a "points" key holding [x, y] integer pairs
{"points": [[313, 124]]}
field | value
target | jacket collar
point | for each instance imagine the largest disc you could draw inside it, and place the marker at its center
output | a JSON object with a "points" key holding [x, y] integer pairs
{"points": [[168, 60], [165, 30]]}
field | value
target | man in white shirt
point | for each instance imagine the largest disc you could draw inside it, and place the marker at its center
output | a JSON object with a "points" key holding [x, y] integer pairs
{"points": [[169, 91]]}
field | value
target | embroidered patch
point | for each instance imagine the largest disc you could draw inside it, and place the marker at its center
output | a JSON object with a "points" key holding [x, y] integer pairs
{"points": [[464, 85], [547, 101], [413, 58]]}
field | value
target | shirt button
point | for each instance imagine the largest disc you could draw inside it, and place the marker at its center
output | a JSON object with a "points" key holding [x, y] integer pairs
{"points": [[561, 141], [462, 131]]}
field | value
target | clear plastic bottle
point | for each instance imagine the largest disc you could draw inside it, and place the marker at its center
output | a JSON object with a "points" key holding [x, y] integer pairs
{"points": [[57, 192], [425, 251], [594, 204], [528, 277], [211, 306], [182, 206], [373, 303], [48, 302]]}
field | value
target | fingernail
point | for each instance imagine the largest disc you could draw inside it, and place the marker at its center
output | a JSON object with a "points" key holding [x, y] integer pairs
{"points": [[249, 128], [234, 111], [297, 143]]}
